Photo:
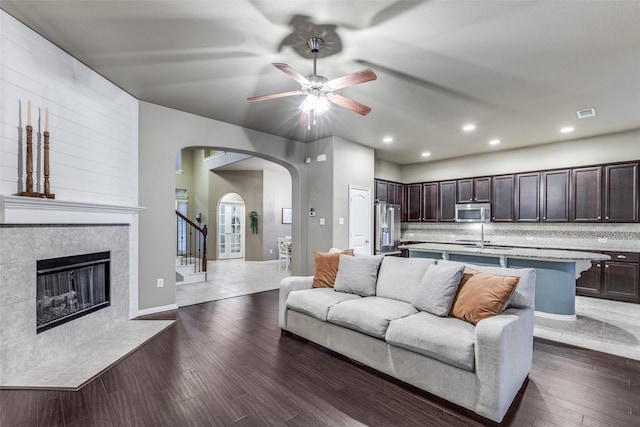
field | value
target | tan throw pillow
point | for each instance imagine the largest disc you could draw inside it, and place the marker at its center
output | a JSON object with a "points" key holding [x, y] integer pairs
{"points": [[482, 295], [326, 268]]}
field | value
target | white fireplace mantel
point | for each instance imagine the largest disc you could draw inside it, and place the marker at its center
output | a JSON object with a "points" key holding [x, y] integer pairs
{"points": [[33, 210]]}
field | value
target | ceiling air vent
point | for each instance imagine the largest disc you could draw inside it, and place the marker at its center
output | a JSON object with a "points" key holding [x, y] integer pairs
{"points": [[587, 112]]}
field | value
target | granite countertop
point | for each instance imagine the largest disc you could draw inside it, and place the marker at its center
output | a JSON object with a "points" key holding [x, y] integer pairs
{"points": [[508, 251]]}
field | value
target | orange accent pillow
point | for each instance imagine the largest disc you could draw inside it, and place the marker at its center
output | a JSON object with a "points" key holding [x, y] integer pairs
{"points": [[326, 268], [482, 295]]}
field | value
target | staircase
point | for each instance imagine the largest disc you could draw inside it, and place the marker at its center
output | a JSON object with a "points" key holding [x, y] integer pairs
{"points": [[191, 254]]}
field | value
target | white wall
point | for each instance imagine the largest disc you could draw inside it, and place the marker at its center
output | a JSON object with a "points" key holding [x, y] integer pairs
{"points": [[93, 126], [580, 152], [93, 123]]}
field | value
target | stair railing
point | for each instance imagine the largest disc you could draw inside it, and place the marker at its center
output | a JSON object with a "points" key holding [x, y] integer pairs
{"points": [[192, 243]]}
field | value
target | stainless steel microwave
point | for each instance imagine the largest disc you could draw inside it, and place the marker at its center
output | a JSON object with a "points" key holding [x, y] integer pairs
{"points": [[473, 212]]}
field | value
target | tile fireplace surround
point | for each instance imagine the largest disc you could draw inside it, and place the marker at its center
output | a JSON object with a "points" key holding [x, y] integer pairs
{"points": [[22, 245]]}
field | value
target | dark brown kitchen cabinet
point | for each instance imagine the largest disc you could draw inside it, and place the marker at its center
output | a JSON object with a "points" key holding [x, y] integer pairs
{"points": [[381, 191], [590, 282], [474, 190], [391, 193], [616, 279], [399, 194], [621, 193], [502, 191], [586, 194], [555, 195], [447, 201], [414, 202], [430, 201], [527, 197]]}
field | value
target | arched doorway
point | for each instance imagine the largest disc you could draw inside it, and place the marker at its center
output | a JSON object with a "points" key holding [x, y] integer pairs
{"points": [[231, 228]]}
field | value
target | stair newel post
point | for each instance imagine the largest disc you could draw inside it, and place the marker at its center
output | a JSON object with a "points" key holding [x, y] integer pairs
{"points": [[204, 248]]}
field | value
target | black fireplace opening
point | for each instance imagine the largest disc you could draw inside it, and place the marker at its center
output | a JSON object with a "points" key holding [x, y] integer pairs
{"points": [[71, 287]]}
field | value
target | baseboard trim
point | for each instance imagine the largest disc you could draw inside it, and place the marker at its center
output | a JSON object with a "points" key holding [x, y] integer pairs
{"points": [[566, 317], [158, 309]]}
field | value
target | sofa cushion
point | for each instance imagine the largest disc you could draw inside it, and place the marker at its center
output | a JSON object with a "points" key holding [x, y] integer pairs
{"points": [[524, 295], [446, 339], [326, 268], [438, 288], [482, 295], [399, 278], [316, 302], [369, 315], [358, 275]]}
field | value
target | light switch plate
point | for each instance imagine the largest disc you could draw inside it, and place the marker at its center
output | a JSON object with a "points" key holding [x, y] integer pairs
{"points": [[321, 221]]}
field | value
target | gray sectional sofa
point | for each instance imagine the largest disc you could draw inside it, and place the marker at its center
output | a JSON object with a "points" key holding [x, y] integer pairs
{"points": [[480, 366]]}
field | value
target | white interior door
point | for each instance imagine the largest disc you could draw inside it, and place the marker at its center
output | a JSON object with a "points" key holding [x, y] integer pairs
{"points": [[230, 231], [360, 220]]}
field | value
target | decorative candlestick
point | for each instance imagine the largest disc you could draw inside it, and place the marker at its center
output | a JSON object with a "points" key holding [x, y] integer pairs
{"points": [[47, 185], [29, 157]]}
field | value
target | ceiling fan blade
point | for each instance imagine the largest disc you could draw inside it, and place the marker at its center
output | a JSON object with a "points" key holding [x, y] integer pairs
{"points": [[272, 96], [349, 104], [292, 73], [358, 77]]}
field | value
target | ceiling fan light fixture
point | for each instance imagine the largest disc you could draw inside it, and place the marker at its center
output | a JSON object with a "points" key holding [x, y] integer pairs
{"points": [[315, 102]]}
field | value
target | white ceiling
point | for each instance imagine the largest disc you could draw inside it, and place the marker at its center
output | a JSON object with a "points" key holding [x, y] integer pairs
{"points": [[519, 70]]}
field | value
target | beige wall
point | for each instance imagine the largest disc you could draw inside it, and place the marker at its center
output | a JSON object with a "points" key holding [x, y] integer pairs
{"points": [[601, 149], [249, 185], [347, 163], [353, 166], [164, 131], [387, 171]]}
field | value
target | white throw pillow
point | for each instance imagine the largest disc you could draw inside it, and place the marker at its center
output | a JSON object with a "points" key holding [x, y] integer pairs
{"points": [[358, 275], [438, 289]]}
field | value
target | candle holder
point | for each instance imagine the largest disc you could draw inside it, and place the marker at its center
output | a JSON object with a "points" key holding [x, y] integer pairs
{"points": [[47, 185]]}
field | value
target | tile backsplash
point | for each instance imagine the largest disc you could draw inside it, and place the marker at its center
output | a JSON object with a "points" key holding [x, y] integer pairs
{"points": [[588, 237]]}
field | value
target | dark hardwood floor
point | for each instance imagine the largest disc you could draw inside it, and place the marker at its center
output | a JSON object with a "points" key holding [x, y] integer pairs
{"points": [[226, 363]]}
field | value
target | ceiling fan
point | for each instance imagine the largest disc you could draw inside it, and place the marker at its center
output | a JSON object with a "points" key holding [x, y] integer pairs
{"points": [[319, 90]]}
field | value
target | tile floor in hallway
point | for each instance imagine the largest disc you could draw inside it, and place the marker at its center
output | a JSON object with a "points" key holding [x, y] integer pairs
{"points": [[231, 278], [608, 326]]}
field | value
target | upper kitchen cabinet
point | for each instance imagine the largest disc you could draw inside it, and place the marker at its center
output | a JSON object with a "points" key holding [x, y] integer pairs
{"points": [[555, 195], [621, 192], [414, 202], [474, 190], [381, 191], [430, 201], [447, 201], [586, 194], [422, 202], [395, 194], [502, 203], [527, 197], [605, 193]]}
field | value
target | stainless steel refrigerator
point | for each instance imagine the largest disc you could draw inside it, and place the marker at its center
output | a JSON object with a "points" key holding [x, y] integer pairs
{"points": [[387, 228]]}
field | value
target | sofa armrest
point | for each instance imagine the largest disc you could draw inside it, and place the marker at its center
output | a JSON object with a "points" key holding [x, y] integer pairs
{"points": [[288, 284], [504, 354]]}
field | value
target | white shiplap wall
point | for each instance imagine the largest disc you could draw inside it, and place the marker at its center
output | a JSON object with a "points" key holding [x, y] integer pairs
{"points": [[93, 126], [93, 123]]}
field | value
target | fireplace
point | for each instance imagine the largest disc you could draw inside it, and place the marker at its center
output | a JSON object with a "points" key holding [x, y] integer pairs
{"points": [[71, 287]]}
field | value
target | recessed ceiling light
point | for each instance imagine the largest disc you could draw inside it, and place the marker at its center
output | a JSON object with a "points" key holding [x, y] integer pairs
{"points": [[426, 154], [494, 142], [468, 127], [567, 129], [387, 140]]}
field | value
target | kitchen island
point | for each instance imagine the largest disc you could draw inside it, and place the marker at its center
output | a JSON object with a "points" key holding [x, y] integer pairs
{"points": [[556, 270]]}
